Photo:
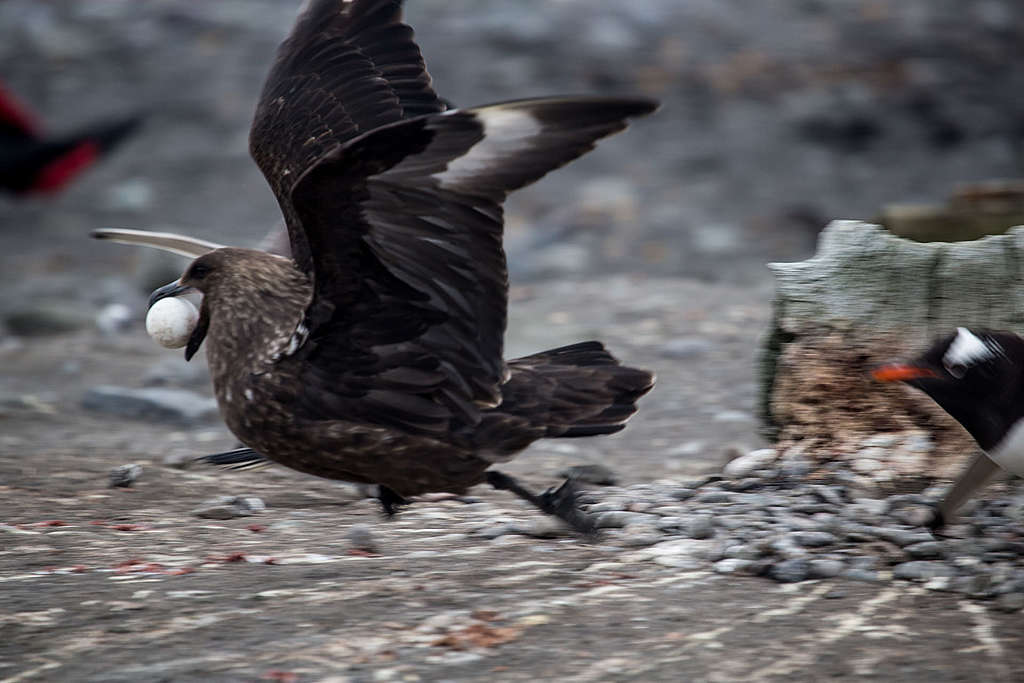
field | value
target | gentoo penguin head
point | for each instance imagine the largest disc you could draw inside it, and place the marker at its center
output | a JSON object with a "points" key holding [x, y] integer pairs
{"points": [[974, 375]]}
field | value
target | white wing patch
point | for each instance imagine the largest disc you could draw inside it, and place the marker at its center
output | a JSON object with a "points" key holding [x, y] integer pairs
{"points": [[967, 349], [506, 131]]}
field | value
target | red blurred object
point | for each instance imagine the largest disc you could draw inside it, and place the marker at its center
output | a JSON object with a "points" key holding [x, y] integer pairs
{"points": [[32, 162]]}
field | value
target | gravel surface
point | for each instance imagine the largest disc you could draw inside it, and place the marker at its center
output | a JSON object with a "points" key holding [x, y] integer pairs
{"points": [[197, 574]]}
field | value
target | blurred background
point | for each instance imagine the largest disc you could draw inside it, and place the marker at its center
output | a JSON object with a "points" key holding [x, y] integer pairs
{"points": [[777, 117]]}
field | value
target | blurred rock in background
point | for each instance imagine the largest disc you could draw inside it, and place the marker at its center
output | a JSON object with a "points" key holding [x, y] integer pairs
{"points": [[777, 117]]}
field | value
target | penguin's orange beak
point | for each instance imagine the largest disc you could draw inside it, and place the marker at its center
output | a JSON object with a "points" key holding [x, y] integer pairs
{"points": [[901, 373]]}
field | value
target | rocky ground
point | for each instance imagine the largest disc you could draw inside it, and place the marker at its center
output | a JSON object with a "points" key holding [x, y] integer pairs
{"points": [[776, 118], [760, 575]]}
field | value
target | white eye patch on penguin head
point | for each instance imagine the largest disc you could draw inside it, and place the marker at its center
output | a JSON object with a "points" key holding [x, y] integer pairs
{"points": [[967, 350]]}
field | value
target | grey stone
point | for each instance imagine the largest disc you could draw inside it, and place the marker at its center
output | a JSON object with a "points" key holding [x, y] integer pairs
{"points": [[1010, 602], [1003, 545], [714, 497], [864, 562], [754, 460], [590, 474], [871, 506], [828, 494], [125, 475], [919, 570], [939, 583], [670, 524], [708, 480], [914, 515], [618, 519], [747, 484], [493, 532], [992, 557], [976, 585], [928, 550], [608, 506], [814, 539], [825, 568], [360, 537], [700, 549], [794, 466], [901, 537], [158, 404], [667, 510], [785, 547], [228, 507], [733, 566], [815, 508], [791, 571], [744, 551], [544, 527], [700, 526], [640, 538], [865, 575]]}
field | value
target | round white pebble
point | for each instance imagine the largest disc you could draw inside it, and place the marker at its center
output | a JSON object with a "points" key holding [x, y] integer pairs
{"points": [[170, 322]]}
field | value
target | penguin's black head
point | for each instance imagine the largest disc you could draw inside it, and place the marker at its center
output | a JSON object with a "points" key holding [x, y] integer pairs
{"points": [[974, 375]]}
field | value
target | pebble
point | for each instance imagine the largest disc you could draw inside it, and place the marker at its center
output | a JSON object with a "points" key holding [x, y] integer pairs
{"points": [[229, 507], [700, 526], [815, 539], [901, 537], [125, 475], [361, 538], [914, 515], [743, 551], [1010, 602], [865, 575], [545, 527], [733, 565], [872, 506], [920, 570], [617, 519], [153, 403], [825, 568], [492, 532], [714, 497], [791, 531], [828, 494], [752, 461], [927, 550], [791, 571], [639, 539]]}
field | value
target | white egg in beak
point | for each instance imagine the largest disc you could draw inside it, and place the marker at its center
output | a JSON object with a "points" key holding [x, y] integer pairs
{"points": [[171, 321]]}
